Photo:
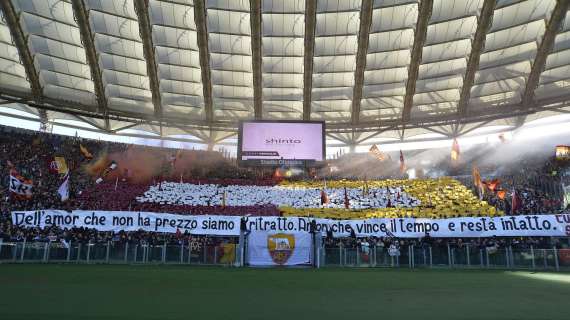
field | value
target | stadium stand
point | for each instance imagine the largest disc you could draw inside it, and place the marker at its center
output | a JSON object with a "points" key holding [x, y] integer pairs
{"points": [[219, 187], [436, 198], [204, 191]]}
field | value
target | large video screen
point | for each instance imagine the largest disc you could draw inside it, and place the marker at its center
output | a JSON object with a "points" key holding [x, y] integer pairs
{"points": [[281, 143]]}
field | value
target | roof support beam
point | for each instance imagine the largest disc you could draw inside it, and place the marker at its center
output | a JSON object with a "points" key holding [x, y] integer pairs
{"points": [[21, 43], [562, 111], [198, 133], [202, 33], [90, 122], [443, 133], [11, 102], [310, 26], [145, 29], [354, 136], [210, 140], [223, 137], [424, 14], [480, 125], [364, 31], [477, 45], [82, 18], [126, 127], [255, 22], [379, 132], [506, 111], [339, 137], [544, 49]]}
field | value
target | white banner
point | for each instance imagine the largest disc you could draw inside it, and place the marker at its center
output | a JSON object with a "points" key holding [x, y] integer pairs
{"points": [[129, 221], [20, 187], [507, 226], [475, 227], [279, 249]]}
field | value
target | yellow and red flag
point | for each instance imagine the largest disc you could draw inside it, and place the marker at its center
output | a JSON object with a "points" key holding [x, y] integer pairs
{"points": [[228, 253], [375, 151], [402, 162], [492, 184], [61, 165], [455, 150], [476, 177], [85, 152], [20, 186], [502, 194]]}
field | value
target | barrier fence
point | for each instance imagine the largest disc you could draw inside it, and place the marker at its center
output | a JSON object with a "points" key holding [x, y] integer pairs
{"points": [[232, 255], [116, 253], [450, 257]]}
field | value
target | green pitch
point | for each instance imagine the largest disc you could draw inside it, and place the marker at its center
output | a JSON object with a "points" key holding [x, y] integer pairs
{"points": [[49, 292]]}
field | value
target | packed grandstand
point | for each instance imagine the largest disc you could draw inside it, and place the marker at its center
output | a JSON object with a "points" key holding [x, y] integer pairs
{"points": [[108, 176]]}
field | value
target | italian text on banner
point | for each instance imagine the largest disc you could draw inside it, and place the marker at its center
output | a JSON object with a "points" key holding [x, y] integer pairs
{"points": [[130, 221], [474, 227]]}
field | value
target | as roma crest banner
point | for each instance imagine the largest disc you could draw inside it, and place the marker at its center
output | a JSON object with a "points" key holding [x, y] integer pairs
{"points": [[279, 248]]}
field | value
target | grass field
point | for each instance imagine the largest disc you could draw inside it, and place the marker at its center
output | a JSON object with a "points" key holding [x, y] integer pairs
{"points": [[49, 292]]}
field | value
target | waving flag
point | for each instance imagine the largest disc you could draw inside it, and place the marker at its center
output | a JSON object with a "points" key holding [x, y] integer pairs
{"points": [[375, 151], [501, 194], [324, 197], [455, 150], [492, 184], [516, 202], [61, 165], [106, 172], [477, 182], [19, 185], [476, 176], [63, 189], [85, 152], [402, 163], [228, 253]]}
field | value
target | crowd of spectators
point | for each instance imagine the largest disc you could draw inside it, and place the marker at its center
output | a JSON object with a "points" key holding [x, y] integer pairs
{"points": [[244, 195], [442, 243], [532, 201], [54, 234], [122, 197], [32, 153]]}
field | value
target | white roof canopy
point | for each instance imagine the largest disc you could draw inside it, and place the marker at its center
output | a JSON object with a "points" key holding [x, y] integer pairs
{"points": [[364, 66]]}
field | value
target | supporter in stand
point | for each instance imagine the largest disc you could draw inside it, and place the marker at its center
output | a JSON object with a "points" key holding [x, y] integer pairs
{"points": [[532, 201], [459, 243], [10, 233], [31, 153]]}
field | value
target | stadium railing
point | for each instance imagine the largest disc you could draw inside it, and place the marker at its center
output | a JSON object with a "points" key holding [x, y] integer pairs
{"points": [[117, 253], [448, 257], [230, 255]]}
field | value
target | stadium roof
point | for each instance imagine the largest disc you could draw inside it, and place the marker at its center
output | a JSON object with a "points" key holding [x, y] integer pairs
{"points": [[369, 68]]}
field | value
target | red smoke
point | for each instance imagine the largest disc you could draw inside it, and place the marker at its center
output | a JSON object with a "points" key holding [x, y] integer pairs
{"points": [[142, 164]]}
